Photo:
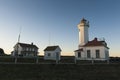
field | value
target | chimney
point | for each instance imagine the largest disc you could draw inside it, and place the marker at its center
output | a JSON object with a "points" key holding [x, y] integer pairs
{"points": [[95, 39], [32, 43]]}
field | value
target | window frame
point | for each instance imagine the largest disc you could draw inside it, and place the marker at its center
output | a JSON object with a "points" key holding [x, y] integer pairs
{"points": [[88, 53], [79, 54], [48, 54], [97, 52]]}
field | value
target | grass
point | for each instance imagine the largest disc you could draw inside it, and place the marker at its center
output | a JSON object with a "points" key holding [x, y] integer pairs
{"points": [[54, 71], [59, 72]]}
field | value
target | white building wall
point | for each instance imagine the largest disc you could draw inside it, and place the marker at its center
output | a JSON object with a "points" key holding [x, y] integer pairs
{"points": [[19, 49], [53, 54], [107, 53], [59, 52], [93, 53], [82, 56]]}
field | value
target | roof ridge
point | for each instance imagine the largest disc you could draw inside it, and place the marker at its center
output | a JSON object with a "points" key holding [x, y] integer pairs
{"points": [[50, 48], [27, 45]]}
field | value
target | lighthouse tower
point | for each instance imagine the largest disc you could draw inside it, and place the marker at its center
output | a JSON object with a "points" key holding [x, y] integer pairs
{"points": [[90, 50], [83, 32]]}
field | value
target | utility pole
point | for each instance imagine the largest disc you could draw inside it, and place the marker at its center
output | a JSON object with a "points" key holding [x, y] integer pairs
{"points": [[16, 53]]}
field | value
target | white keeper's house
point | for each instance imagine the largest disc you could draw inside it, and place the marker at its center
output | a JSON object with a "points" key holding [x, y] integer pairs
{"points": [[52, 53], [24, 49], [88, 50]]}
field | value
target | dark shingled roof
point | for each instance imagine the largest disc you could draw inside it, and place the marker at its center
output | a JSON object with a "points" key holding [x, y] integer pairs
{"points": [[95, 42], [28, 45], [51, 48], [79, 50]]}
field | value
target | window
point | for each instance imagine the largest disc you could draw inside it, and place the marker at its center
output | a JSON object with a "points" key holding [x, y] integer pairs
{"points": [[26, 49], [33, 49], [97, 53], [29, 49], [49, 54], [79, 54], [23, 49], [57, 55], [106, 54], [88, 54]]}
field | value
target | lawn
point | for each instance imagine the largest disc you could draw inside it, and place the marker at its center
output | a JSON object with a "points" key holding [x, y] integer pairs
{"points": [[59, 72]]}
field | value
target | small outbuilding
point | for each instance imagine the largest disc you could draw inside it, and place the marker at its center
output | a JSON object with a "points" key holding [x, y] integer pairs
{"points": [[52, 53]]}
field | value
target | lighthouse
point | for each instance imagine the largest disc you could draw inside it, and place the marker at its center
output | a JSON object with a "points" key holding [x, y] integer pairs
{"points": [[90, 49], [83, 27]]}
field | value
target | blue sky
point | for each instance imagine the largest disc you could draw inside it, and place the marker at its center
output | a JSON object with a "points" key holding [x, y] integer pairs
{"points": [[55, 21]]}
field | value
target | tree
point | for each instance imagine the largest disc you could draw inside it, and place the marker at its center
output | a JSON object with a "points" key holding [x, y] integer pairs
{"points": [[1, 51]]}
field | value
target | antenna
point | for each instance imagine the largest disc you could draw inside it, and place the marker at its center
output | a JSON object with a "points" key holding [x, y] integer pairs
{"points": [[19, 34], [103, 39], [17, 52], [49, 38]]}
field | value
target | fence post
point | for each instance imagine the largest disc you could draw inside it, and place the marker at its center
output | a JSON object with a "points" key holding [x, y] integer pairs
{"points": [[15, 59], [108, 61], [56, 60], [75, 60], [92, 60], [37, 60]]}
